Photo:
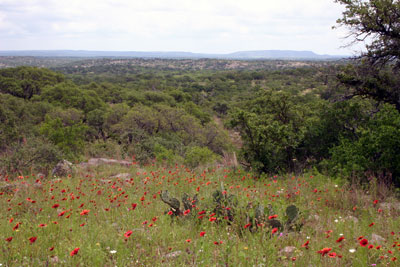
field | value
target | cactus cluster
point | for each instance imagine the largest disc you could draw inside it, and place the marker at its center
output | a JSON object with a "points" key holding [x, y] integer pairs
{"points": [[225, 205], [175, 205]]}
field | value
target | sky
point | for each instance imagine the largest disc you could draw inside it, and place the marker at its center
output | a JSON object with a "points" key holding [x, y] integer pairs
{"points": [[202, 26]]}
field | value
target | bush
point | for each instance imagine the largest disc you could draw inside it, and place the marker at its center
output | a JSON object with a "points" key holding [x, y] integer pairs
{"points": [[34, 154], [196, 156]]}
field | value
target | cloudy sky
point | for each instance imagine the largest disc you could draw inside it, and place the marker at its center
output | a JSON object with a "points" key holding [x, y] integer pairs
{"points": [[208, 26]]}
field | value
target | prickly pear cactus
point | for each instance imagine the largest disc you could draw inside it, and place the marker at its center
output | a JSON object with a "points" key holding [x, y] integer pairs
{"points": [[292, 213], [172, 202]]}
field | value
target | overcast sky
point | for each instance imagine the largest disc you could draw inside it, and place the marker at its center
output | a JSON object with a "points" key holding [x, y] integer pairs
{"points": [[208, 26]]}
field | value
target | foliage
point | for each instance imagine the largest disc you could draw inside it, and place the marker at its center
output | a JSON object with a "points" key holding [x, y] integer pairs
{"points": [[26, 82], [199, 156], [272, 128], [34, 155], [67, 136], [377, 75], [375, 153]]}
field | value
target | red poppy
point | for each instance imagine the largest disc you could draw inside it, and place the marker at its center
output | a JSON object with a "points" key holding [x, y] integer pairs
{"points": [[202, 233], [74, 252], [189, 240], [16, 227], [274, 230], [32, 239], [134, 205], [340, 239], [202, 212], [364, 242], [186, 212], [324, 251], [371, 224], [9, 239], [332, 255], [85, 212], [247, 225], [170, 212], [62, 213], [305, 245], [272, 217], [56, 206], [128, 233], [51, 249], [42, 225], [371, 246]]}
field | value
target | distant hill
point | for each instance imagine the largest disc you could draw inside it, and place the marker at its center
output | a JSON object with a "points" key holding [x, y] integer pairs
{"points": [[259, 54]]}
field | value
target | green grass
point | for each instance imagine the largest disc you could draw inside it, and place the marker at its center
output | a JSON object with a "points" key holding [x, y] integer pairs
{"points": [[328, 211]]}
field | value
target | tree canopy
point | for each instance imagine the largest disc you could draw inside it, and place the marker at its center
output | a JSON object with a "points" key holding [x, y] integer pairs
{"points": [[376, 22]]}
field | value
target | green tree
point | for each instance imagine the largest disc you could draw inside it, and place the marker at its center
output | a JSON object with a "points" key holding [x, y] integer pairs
{"points": [[272, 128], [27, 81], [68, 137], [377, 74]]}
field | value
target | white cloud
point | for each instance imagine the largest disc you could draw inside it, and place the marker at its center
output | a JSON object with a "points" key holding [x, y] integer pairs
{"points": [[198, 26]]}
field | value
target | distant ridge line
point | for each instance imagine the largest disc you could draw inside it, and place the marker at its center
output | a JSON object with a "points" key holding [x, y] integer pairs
{"points": [[257, 54]]}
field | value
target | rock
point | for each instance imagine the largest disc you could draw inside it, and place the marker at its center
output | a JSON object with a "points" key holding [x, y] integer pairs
{"points": [[63, 168], [287, 251], [389, 206], [40, 175], [314, 217], [352, 218], [377, 239], [121, 176], [104, 161], [173, 254]]}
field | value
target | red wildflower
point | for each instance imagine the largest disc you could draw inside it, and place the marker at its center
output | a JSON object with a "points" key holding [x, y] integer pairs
{"points": [[213, 219], [32, 239], [332, 255], [371, 246], [62, 213], [51, 249], [186, 212], [272, 217], [56, 206], [74, 252], [340, 239], [9, 239], [85, 212], [324, 251], [376, 201], [16, 226], [188, 240], [42, 225], [364, 242], [134, 205], [202, 212], [170, 212], [274, 230], [202, 233], [247, 225], [128, 233], [371, 224], [305, 245]]}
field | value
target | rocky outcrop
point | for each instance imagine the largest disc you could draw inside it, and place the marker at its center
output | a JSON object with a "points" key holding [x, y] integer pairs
{"points": [[63, 168], [104, 161]]}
